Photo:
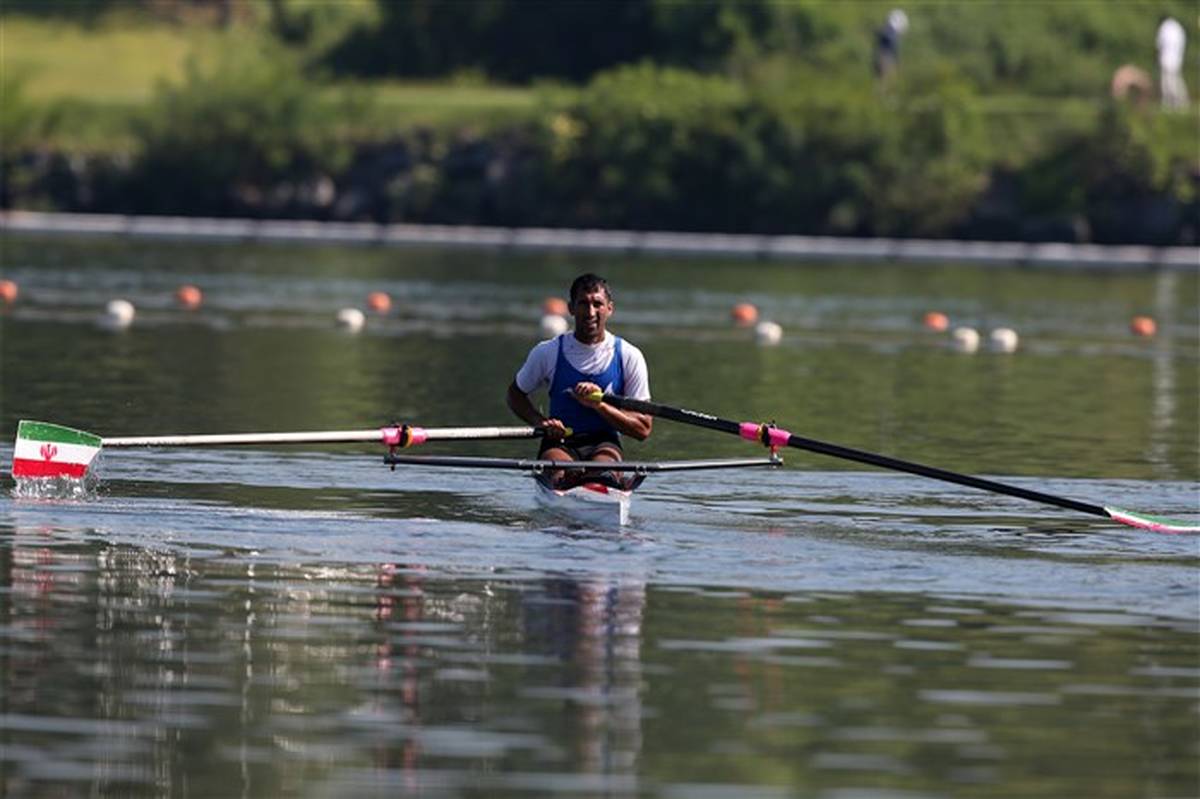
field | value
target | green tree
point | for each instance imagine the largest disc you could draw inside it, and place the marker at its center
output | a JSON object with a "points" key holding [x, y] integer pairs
{"points": [[251, 122]]}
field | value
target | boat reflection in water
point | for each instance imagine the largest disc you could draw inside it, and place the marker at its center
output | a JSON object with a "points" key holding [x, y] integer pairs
{"points": [[594, 628], [212, 672], [569, 696]]}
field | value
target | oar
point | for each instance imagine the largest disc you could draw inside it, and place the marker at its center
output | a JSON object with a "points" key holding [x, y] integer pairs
{"points": [[51, 450], [774, 437]]}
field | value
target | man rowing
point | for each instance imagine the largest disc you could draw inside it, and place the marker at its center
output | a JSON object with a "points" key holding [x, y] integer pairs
{"points": [[577, 367]]}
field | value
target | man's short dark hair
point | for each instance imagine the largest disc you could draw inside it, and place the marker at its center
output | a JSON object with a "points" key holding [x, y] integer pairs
{"points": [[587, 283]]}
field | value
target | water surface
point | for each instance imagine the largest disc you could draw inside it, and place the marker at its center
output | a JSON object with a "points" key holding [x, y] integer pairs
{"points": [[304, 621]]}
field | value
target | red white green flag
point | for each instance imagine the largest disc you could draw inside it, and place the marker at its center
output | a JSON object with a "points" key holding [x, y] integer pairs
{"points": [[50, 450]]}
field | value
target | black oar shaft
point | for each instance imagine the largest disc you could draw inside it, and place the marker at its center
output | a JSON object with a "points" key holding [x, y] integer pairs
{"points": [[934, 472], [674, 414], [847, 453]]}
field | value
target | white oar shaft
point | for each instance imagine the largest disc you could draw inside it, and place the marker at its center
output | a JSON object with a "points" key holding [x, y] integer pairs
{"points": [[331, 436], [385, 435], [465, 433]]}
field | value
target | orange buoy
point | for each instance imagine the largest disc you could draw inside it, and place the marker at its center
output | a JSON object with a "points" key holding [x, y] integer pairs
{"points": [[744, 314], [555, 306], [189, 297], [379, 302], [936, 321], [8, 292], [1143, 326]]}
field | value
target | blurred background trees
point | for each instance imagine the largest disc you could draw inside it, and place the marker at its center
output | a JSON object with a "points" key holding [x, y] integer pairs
{"points": [[717, 115]]}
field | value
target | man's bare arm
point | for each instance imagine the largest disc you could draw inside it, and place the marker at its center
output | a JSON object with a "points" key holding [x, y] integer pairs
{"points": [[520, 404]]}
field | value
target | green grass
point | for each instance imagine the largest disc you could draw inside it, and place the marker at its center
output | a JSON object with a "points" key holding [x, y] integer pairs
{"points": [[115, 62], [99, 78]]}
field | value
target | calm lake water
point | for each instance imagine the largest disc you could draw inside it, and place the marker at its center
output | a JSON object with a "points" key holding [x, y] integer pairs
{"points": [[303, 621]]}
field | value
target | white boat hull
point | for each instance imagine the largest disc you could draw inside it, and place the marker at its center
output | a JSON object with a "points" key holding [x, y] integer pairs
{"points": [[590, 503]]}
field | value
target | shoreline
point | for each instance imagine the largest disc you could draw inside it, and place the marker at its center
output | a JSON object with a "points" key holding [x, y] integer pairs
{"points": [[662, 243]]}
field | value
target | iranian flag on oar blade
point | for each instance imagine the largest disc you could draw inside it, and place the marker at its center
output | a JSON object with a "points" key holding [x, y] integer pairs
{"points": [[51, 450]]}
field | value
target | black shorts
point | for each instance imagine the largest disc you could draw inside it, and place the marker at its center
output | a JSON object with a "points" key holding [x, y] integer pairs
{"points": [[583, 446]]}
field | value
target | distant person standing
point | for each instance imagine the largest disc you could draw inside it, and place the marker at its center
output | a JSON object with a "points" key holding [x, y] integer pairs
{"points": [[1171, 42], [887, 44]]}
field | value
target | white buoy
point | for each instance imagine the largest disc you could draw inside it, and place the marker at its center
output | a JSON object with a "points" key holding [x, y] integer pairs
{"points": [[351, 319], [118, 315], [965, 339], [768, 333], [554, 325], [1004, 339]]}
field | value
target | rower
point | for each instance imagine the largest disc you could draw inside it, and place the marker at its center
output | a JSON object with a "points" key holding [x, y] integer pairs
{"points": [[577, 367]]}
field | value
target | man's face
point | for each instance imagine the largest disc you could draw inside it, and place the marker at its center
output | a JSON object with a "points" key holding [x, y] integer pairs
{"points": [[591, 310]]}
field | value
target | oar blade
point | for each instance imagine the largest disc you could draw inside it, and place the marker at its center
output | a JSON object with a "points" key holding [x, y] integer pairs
{"points": [[45, 450], [1155, 523]]}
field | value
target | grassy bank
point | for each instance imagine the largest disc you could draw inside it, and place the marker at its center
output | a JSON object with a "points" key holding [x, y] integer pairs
{"points": [[119, 61], [95, 80]]}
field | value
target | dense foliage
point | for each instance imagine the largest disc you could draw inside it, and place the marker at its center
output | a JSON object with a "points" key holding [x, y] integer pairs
{"points": [[704, 153], [1044, 48], [730, 115], [251, 125]]}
